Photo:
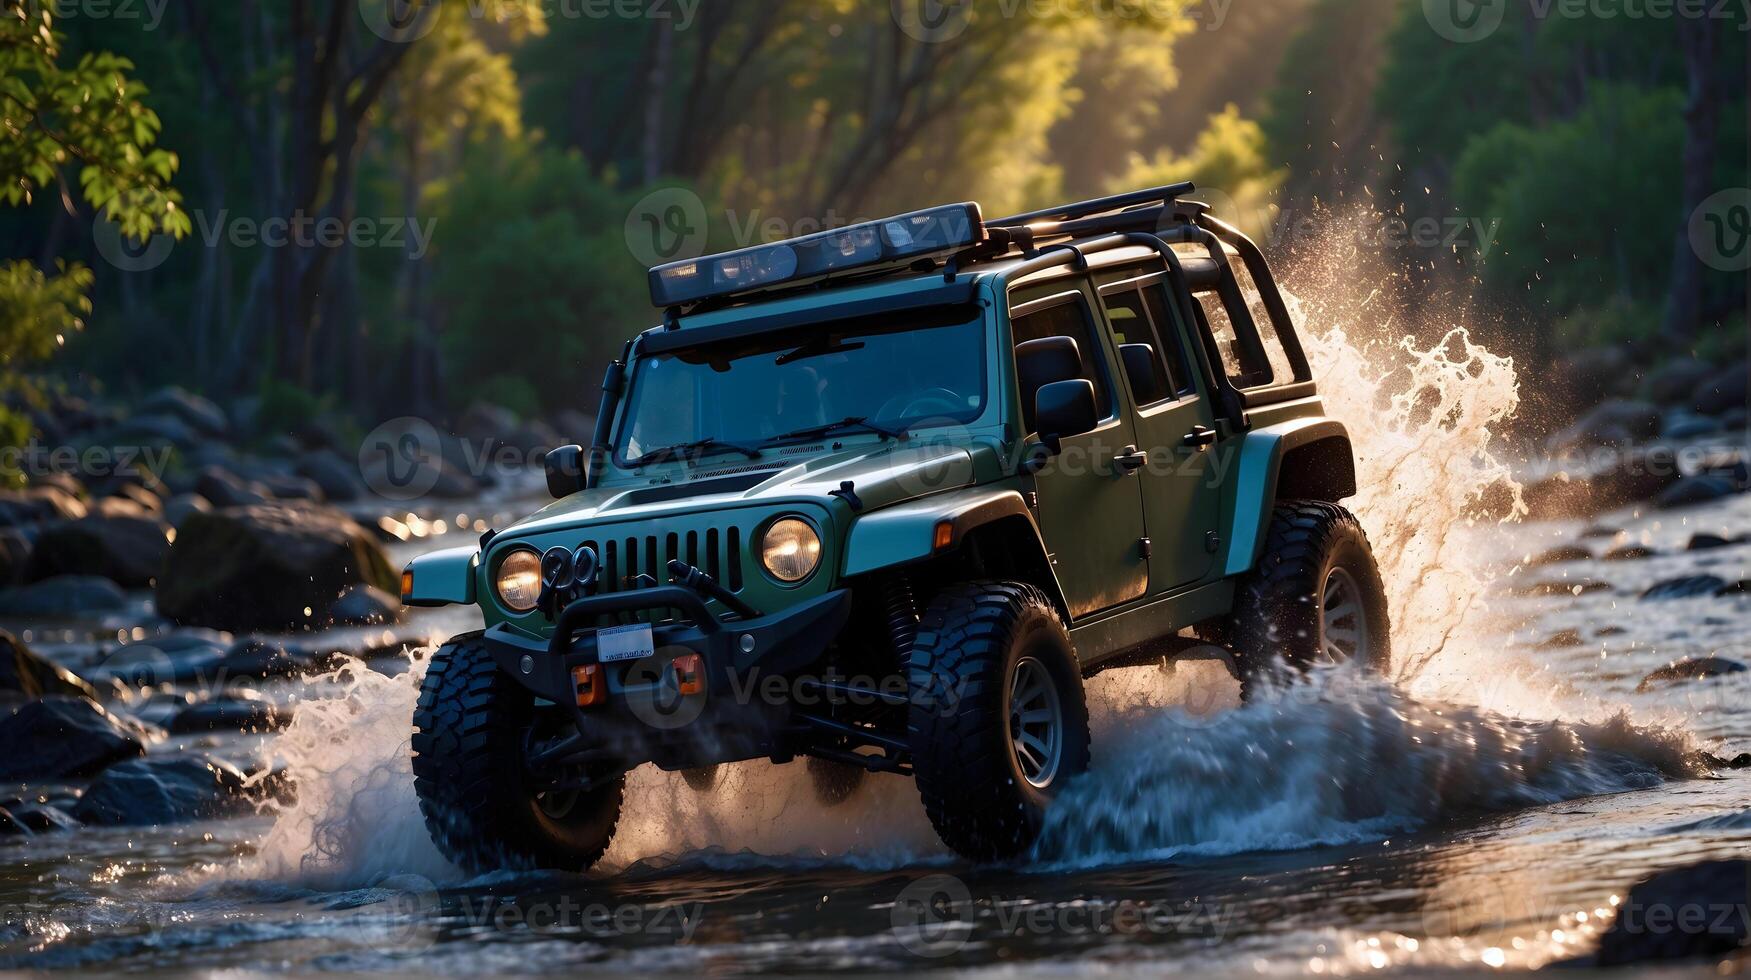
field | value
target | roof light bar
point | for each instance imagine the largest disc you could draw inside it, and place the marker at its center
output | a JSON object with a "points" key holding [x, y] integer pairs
{"points": [[907, 236]]}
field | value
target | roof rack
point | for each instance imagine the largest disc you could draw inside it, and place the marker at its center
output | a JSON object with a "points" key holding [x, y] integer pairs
{"points": [[1163, 196]]}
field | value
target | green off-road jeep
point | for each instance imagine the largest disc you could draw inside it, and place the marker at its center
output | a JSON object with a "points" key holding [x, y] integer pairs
{"points": [[882, 497]]}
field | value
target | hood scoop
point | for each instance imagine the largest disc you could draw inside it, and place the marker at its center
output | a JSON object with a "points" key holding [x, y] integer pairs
{"points": [[739, 483]]}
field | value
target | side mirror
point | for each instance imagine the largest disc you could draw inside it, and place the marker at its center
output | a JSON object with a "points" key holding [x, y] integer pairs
{"points": [[1065, 409], [565, 471], [1144, 370]]}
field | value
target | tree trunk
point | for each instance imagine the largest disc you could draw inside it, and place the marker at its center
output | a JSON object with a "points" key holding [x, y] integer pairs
{"points": [[1696, 35]]}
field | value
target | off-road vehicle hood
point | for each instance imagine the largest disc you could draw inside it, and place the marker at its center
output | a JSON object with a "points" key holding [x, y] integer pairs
{"points": [[880, 476]]}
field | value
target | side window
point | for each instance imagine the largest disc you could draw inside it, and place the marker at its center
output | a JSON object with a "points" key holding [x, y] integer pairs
{"points": [[1168, 334], [1066, 319], [1282, 372], [1161, 376], [1245, 364]]}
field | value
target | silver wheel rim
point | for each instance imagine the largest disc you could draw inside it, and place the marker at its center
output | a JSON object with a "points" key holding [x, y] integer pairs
{"points": [[1343, 622], [1036, 723]]}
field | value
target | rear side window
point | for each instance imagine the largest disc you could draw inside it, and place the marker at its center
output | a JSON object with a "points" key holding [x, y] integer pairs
{"points": [[1245, 364], [1282, 372], [1068, 319], [1136, 320], [1168, 334]]}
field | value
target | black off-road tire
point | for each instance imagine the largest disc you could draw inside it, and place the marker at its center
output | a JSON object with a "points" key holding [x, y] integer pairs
{"points": [[469, 734], [970, 640], [1275, 631], [834, 782]]}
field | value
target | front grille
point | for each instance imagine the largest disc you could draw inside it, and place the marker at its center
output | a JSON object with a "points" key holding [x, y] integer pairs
{"points": [[717, 551]]}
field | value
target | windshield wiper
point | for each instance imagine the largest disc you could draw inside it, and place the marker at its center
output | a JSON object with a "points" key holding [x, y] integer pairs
{"points": [[855, 422], [691, 451]]}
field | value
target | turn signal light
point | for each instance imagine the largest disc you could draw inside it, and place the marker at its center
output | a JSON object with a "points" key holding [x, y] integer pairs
{"points": [[591, 685], [406, 584], [945, 535], [689, 674]]}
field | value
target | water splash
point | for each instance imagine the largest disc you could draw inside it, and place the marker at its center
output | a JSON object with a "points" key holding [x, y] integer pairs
{"points": [[1338, 759]]}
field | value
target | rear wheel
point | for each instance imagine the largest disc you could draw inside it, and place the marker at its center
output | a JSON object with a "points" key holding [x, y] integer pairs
{"points": [[482, 807], [1315, 598], [997, 721]]}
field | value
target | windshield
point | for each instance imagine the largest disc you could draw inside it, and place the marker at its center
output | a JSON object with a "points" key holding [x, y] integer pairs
{"points": [[871, 375]]}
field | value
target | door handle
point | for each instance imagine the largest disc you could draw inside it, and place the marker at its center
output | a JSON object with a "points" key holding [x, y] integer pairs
{"points": [[1131, 460], [1200, 438]]}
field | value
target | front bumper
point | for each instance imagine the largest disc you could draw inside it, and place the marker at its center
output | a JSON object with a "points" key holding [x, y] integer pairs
{"points": [[740, 714]]}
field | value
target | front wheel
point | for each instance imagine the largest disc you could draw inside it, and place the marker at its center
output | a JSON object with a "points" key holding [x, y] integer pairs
{"points": [[481, 806], [997, 721], [1315, 598]]}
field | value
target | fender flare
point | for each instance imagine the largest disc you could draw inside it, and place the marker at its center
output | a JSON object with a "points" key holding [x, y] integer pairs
{"points": [[1261, 453], [906, 533], [442, 578]]}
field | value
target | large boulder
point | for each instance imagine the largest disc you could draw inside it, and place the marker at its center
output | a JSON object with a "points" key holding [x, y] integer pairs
{"points": [[339, 479], [273, 566], [174, 789], [196, 412], [34, 505], [63, 597], [128, 551], [1682, 914], [25, 672], [1692, 490], [233, 711], [1688, 587], [258, 658], [1691, 669], [1724, 391], [363, 605], [1674, 382], [224, 488], [63, 738], [192, 657]]}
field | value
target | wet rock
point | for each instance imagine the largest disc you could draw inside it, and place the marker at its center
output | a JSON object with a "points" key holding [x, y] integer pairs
{"points": [[174, 659], [1687, 587], [43, 818], [1692, 490], [1681, 914], [1616, 422], [223, 488], [1673, 382], [285, 486], [179, 508], [1563, 554], [1683, 425], [1601, 531], [1741, 587], [133, 495], [62, 738], [1707, 542], [339, 479], [1610, 631], [196, 412], [1571, 588], [168, 790], [267, 567], [1628, 552], [1562, 639], [162, 429], [15, 549], [25, 672], [34, 505], [128, 551], [1692, 669], [63, 597], [262, 659], [1639, 473], [364, 605], [1725, 390], [233, 711]]}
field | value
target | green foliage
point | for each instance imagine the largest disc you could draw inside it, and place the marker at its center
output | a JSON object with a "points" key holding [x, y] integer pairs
{"points": [[538, 281], [510, 391], [1588, 205], [39, 312], [1229, 164], [91, 114]]}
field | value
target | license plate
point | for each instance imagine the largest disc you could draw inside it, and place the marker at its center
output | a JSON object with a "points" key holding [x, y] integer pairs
{"points": [[625, 643]]}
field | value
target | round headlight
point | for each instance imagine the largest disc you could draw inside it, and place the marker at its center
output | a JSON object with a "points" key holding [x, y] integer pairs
{"points": [[519, 580], [790, 550]]}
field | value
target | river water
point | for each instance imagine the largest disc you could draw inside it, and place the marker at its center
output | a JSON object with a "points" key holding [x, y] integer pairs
{"points": [[1486, 808]]}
